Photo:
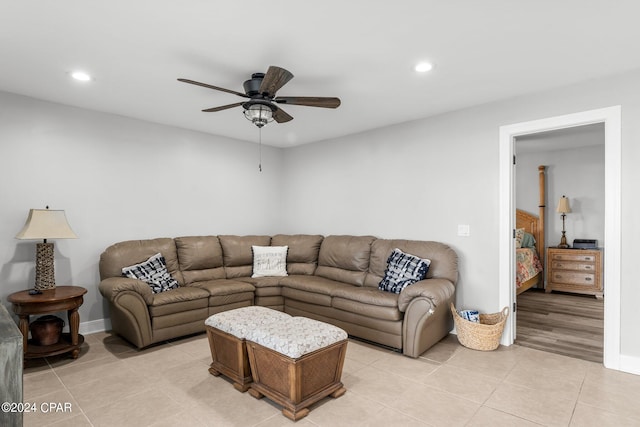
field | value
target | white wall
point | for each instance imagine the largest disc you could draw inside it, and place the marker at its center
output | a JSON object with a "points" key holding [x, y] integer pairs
{"points": [[120, 179], [577, 173], [416, 180], [420, 179]]}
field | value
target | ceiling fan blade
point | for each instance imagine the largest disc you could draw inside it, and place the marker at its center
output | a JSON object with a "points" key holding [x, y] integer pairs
{"points": [[274, 79], [309, 101], [281, 116], [244, 95], [223, 107]]}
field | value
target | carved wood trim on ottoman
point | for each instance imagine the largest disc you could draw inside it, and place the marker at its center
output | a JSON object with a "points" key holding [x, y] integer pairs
{"points": [[227, 331], [297, 363]]}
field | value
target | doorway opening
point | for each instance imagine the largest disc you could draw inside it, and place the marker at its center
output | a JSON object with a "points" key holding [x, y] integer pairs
{"points": [[611, 119], [565, 165]]}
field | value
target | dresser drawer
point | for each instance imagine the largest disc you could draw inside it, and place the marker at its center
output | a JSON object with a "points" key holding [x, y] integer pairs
{"points": [[574, 278], [573, 257], [576, 266]]}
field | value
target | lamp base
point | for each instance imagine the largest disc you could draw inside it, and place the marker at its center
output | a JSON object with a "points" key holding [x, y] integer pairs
{"points": [[45, 276], [563, 241]]}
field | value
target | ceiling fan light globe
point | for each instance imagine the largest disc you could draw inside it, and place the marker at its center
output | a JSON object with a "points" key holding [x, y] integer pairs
{"points": [[259, 114]]}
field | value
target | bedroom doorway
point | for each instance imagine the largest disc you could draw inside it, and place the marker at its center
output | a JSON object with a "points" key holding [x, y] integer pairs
{"points": [[551, 164], [508, 133]]}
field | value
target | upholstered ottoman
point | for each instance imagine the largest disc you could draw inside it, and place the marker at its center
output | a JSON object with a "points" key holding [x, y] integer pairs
{"points": [[296, 362], [227, 332]]}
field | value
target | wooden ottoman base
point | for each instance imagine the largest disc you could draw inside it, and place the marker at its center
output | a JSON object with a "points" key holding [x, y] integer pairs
{"points": [[229, 355], [296, 384]]}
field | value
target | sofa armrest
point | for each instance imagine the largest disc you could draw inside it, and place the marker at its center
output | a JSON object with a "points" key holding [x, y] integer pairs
{"points": [[112, 286], [128, 301], [427, 318], [438, 291]]}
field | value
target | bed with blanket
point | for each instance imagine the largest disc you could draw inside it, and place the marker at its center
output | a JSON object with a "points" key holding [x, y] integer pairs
{"points": [[530, 243]]}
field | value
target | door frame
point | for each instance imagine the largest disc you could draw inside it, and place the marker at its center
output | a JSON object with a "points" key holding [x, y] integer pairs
{"points": [[611, 117]]}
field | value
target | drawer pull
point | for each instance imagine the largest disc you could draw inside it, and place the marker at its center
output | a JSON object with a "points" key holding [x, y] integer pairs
{"points": [[588, 279], [588, 267]]}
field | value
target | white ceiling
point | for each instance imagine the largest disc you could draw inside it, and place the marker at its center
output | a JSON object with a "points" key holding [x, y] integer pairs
{"points": [[360, 51], [561, 139]]}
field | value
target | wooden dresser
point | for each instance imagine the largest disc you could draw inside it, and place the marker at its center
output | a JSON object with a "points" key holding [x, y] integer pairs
{"points": [[575, 270]]}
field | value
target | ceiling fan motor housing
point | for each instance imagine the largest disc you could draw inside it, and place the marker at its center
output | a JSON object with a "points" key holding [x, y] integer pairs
{"points": [[252, 86]]}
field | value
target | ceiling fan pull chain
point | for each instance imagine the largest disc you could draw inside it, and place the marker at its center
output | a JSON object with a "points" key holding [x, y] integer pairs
{"points": [[260, 148]]}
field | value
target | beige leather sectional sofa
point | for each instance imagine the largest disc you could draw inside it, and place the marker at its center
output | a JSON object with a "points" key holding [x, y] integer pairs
{"points": [[333, 279]]}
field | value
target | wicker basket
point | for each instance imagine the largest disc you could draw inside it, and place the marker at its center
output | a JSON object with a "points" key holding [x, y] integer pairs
{"points": [[484, 336]]}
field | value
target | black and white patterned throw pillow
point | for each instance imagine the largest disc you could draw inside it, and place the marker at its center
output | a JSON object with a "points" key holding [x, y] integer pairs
{"points": [[402, 270], [153, 272]]}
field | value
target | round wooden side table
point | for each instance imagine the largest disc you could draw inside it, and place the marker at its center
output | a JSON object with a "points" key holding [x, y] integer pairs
{"points": [[60, 298]]}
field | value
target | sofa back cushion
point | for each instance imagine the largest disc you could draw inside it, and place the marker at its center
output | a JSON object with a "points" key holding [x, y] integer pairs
{"points": [[444, 260], [302, 257], [345, 258], [200, 258], [130, 252], [237, 254]]}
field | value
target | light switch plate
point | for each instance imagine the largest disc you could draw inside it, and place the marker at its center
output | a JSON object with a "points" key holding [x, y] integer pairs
{"points": [[464, 230]]}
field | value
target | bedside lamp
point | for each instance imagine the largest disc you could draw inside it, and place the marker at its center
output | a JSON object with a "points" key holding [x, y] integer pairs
{"points": [[564, 209], [45, 224]]}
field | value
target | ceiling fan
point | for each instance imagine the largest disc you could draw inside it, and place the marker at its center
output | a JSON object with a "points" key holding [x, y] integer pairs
{"points": [[261, 90]]}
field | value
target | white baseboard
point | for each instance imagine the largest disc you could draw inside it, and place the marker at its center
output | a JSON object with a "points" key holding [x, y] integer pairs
{"points": [[630, 364], [93, 326]]}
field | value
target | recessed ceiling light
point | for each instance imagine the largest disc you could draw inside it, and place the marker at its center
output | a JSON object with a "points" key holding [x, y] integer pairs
{"points": [[81, 76], [423, 67]]}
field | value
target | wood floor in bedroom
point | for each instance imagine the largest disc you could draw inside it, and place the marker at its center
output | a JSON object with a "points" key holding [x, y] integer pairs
{"points": [[568, 324]]}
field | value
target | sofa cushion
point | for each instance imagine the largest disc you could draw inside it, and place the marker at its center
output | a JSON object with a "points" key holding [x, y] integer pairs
{"points": [[262, 282], [302, 257], [225, 292], [369, 296], [153, 272], [314, 284], [368, 310], [237, 254], [239, 299], [271, 291], [265, 286], [224, 287], [123, 254], [345, 258], [311, 289], [368, 302], [181, 294], [184, 298], [444, 261], [269, 261], [200, 258], [306, 296], [403, 269]]}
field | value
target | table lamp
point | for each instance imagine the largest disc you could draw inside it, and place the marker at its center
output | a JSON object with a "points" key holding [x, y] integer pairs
{"points": [[564, 209], [45, 224]]}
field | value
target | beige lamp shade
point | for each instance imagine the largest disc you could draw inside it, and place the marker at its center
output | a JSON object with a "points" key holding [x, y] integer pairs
{"points": [[563, 205], [46, 224]]}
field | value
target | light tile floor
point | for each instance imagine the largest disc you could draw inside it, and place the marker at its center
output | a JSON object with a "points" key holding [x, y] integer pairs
{"points": [[112, 384]]}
